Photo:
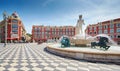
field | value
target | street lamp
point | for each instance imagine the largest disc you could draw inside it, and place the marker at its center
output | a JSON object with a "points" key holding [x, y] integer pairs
{"points": [[5, 19], [11, 35]]}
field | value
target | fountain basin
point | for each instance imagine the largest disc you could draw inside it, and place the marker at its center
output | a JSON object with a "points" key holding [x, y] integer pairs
{"points": [[85, 53]]}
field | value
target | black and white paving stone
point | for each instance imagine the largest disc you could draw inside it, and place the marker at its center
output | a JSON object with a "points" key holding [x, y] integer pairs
{"points": [[32, 57]]}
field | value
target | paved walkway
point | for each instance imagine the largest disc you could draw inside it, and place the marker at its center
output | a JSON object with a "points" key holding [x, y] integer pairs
{"points": [[32, 57]]}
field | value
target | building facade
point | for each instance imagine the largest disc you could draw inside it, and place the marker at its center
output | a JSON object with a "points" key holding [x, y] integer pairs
{"points": [[44, 33], [15, 29], [110, 27]]}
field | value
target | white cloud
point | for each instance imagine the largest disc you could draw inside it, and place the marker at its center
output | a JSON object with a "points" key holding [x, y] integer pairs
{"points": [[47, 2]]}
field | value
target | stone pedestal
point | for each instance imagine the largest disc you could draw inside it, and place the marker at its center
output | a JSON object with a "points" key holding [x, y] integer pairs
{"points": [[79, 42]]}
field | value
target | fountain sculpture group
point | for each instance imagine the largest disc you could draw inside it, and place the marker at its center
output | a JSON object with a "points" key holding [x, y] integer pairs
{"points": [[79, 42], [85, 53], [102, 43]]}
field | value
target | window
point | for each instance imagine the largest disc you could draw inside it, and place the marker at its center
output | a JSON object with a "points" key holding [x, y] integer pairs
{"points": [[68, 33], [58, 33], [118, 30], [100, 27], [91, 28], [42, 33], [47, 29], [105, 31], [67, 29], [118, 36], [72, 29], [72, 33], [60, 30], [94, 28], [111, 25], [38, 33], [42, 36], [35, 36], [53, 29], [118, 25], [14, 31], [111, 30], [37, 29], [105, 26], [42, 29], [14, 21], [55, 33], [100, 31], [14, 28]]}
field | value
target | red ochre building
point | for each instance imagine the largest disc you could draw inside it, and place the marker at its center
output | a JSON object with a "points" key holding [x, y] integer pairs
{"points": [[15, 29], [44, 33], [110, 27]]}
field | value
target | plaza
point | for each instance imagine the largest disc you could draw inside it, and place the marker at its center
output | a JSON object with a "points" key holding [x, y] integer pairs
{"points": [[34, 57], [60, 35]]}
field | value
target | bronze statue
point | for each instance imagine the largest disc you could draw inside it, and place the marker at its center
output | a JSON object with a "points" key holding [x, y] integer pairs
{"points": [[102, 43]]}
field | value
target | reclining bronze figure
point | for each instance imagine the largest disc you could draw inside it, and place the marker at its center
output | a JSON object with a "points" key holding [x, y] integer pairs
{"points": [[102, 43]]}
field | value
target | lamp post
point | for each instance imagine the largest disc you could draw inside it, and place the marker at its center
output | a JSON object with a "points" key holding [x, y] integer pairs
{"points": [[11, 36], [5, 19]]}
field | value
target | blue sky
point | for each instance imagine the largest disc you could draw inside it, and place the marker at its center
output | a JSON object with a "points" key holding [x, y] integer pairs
{"points": [[61, 12]]}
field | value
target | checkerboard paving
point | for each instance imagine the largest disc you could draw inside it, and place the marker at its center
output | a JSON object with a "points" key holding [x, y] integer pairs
{"points": [[32, 57]]}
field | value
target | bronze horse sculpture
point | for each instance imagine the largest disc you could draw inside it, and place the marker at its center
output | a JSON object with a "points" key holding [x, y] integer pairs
{"points": [[65, 42], [102, 43]]}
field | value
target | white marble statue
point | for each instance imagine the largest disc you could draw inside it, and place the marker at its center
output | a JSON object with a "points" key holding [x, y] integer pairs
{"points": [[80, 22]]}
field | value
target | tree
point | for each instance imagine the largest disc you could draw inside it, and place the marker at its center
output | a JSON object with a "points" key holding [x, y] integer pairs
{"points": [[30, 35]]}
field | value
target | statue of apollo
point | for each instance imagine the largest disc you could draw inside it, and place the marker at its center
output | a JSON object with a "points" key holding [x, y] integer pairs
{"points": [[80, 22]]}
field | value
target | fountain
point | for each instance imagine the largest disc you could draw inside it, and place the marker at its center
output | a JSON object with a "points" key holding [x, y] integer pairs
{"points": [[74, 47], [79, 41]]}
